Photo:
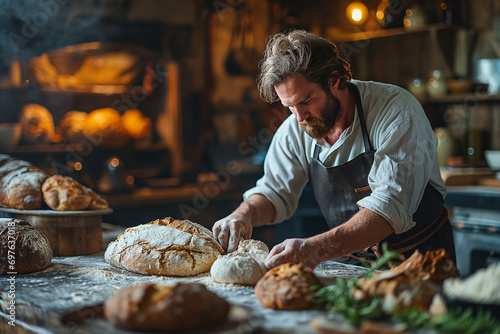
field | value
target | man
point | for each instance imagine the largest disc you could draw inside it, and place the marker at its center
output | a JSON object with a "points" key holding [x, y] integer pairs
{"points": [[366, 148]]}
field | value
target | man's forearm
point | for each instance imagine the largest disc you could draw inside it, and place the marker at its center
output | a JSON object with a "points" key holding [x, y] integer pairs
{"points": [[364, 229], [258, 209]]}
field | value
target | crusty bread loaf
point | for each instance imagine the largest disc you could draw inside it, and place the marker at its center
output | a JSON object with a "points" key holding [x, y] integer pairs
{"points": [[20, 184], [63, 193], [165, 247], [106, 129], [73, 126], [37, 123], [151, 307], [97, 202], [287, 287], [29, 249], [138, 126]]}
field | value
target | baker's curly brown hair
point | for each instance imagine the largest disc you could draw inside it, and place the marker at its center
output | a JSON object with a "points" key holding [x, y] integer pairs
{"points": [[301, 53]]}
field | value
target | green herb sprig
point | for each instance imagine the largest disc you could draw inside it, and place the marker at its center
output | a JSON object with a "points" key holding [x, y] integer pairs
{"points": [[339, 298]]}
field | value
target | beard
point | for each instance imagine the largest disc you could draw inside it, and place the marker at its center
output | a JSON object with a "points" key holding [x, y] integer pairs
{"points": [[319, 128]]}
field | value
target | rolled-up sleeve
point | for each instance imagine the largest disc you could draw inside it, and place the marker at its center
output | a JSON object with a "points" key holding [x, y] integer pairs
{"points": [[285, 171], [402, 167]]}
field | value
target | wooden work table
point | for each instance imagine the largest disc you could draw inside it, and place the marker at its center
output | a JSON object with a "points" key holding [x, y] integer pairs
{"points": [[66, 298]]}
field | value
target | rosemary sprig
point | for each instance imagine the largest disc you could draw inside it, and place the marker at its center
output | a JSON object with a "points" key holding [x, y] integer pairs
{"points": [[456, 321], [339, 297]]}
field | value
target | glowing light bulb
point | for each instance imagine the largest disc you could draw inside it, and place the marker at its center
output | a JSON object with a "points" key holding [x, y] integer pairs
{"points": [[357, 15], [357, 12], [115, 162]]}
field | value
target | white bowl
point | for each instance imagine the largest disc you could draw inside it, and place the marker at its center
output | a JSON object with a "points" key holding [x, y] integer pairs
{"points": [[10, 133], [493, 159]]}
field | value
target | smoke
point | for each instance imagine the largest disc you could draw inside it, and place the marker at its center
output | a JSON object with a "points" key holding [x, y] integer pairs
{"points": [[30, 27]]}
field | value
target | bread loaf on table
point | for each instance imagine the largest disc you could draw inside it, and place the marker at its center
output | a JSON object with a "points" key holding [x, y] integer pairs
{"points": [[153, 307], [287, 287], [29, 249], [20, 184], [165, 247]]}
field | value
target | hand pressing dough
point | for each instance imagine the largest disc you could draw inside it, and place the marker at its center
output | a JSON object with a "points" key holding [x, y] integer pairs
{"points": [[244, 266]]}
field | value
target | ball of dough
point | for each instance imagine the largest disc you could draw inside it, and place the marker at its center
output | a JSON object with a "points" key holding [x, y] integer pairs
{"points": [[255, 248], [237, 268]]}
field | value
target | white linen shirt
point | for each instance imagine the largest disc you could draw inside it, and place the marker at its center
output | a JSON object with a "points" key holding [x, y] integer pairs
{"points": [[405, 158]]}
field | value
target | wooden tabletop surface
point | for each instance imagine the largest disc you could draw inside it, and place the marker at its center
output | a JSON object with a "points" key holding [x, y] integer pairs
{"points": [[65, 298]]}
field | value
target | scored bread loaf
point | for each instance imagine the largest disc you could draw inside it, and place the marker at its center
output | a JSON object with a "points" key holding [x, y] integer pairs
{"points": [[20, 184], [29, 250], [165, 247], [151, 307]]}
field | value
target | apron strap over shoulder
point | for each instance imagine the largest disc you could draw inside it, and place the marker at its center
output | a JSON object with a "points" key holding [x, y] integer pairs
{"points": [[357, 98]]}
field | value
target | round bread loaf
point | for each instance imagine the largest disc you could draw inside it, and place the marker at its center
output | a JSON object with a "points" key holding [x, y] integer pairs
{"points": [[287, 287], [153, 307], [138, 126], [237, 268], [37, 123], [165, 247], [29, 249], [105, 128], [73, 126]]}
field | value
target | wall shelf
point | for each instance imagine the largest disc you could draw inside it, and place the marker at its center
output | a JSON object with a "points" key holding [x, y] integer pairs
{"points": [[467, 98], [381, 33]]}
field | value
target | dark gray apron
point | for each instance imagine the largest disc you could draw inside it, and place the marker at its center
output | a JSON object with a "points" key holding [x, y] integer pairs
{"points": [[338, 188]]}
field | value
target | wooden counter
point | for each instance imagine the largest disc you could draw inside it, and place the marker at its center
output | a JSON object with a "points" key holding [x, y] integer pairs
{"points": [[60, 299]]}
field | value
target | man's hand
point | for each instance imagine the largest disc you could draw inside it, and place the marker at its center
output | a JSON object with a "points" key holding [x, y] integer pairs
{"points": [[255, 211], [293, 251], [229, 230]]}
